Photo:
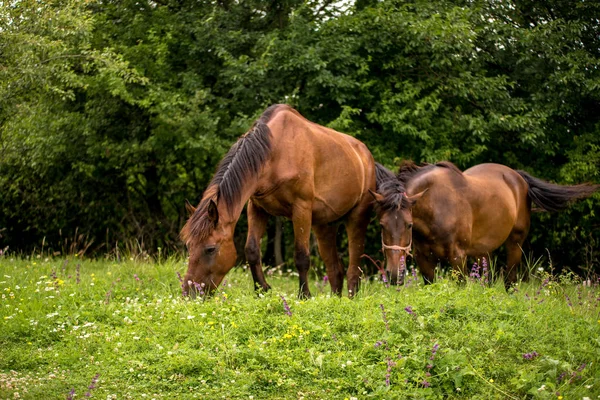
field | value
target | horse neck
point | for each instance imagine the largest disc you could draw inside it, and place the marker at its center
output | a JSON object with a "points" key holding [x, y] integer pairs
{"points": [[231, 216]]}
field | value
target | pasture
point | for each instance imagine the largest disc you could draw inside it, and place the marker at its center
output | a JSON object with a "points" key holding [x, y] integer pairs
{"points": [[111, 329]]}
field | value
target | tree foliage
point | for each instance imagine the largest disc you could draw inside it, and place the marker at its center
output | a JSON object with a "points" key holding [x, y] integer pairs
{"points": [[113, 113]]}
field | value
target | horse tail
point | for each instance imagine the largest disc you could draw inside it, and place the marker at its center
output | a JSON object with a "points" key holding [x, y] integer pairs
{"points": [[553, 197]]}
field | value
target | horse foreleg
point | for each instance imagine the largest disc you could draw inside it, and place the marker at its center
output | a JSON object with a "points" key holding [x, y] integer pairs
{"points": [[426, 262], [356, 227], [257, 224], [301, 219], [326, 239]]}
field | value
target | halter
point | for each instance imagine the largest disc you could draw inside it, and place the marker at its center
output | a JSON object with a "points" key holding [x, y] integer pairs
{"points": [[406, 249]]}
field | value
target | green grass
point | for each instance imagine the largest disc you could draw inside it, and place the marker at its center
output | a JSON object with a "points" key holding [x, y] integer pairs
{"points": [[145, 341]]}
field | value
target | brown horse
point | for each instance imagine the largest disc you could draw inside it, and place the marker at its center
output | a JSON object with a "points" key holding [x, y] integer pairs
{"points": [[287, 166], [465, 214]]}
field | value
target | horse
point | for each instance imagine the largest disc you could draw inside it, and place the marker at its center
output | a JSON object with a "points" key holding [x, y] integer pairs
{"points": [[458, 214], [394, 213], [285, 165]]}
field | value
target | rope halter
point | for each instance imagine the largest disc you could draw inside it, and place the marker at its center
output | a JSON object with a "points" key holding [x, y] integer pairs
{"points": [[406, 249]]}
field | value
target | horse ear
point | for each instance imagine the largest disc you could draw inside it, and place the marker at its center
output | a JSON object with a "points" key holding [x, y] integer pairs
{"points": [[213, 212], [190, 208], [413, 199], [378, 198]]}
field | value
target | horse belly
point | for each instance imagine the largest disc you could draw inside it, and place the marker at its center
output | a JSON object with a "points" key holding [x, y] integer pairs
{"points": [[491, 229]]}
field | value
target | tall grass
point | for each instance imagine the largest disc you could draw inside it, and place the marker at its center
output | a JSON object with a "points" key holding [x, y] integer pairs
{"points": [[72, 328]]}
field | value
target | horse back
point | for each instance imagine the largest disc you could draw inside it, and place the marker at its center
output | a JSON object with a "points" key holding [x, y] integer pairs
{"points": [[316, 164]]}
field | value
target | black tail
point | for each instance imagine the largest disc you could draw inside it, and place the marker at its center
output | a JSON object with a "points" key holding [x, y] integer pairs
{"points": [[552, 197]]}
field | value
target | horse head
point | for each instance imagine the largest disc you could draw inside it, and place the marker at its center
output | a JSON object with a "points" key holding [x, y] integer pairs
{"points": [[212, 253]]}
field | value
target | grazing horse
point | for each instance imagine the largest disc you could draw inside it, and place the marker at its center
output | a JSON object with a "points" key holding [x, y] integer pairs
{"points": [[394, 212], [286, 166], [465, 214]]}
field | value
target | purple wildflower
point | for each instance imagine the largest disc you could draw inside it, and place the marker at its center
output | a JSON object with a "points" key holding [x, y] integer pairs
{"points": [[387, 326], [434, 350], [485, 272], [569, 301], [475, 272], [92, 385], [199, 287], [137, 278], [71, 394], [409, 310], [379, 343], [183, 291], [561, 377], [325, 279], [388, 374], [286, 307], [425, 384], [530, 356]]}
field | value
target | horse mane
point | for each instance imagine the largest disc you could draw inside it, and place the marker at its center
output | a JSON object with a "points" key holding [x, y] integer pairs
{"points": [[243, 162], [409, 170], [391, 188]]}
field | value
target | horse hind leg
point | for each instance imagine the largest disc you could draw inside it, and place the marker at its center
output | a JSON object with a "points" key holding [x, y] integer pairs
{"points": [[356, 228], [514, 253], [458, 260], [426, 262], [257, 224], [326, 239]]}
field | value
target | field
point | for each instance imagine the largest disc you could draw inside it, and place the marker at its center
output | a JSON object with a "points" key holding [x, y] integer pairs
{"points": [[73, 328]]}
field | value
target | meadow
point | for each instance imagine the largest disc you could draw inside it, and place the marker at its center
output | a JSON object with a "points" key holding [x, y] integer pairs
{"points": [[75, 328]]}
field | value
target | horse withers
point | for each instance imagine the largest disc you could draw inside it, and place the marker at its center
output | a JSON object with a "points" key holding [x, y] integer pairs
{"points": [[467, 214], [286, 166]]}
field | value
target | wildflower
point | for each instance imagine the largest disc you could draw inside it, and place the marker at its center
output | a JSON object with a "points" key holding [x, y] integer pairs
{"points": [[325, 279], [409, 310], [569, 301], [92, 385], [390, 364], [426, 384], [485, 273], [414, 274], [200, 288], [77, 269], [286, 307], [530, 356], [434, 350], [136, 277], [385, 320], [475, 272]]}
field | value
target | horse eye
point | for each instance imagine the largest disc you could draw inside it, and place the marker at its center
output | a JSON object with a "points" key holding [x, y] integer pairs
{"points": [[210, 250], [409, 226]]}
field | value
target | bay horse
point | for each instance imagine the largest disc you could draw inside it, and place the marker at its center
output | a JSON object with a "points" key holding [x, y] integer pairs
{"points": [[285, 166], [464, 214]]}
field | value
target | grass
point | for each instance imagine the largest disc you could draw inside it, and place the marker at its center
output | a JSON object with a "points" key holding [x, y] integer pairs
{"points": [[73, 328]]}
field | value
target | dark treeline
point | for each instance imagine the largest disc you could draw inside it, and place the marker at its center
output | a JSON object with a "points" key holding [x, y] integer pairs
{"points": [[112, 113]]}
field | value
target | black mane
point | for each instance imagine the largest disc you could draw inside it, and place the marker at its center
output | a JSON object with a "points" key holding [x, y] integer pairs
{"points": [[393, 187], [243, 162]]}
